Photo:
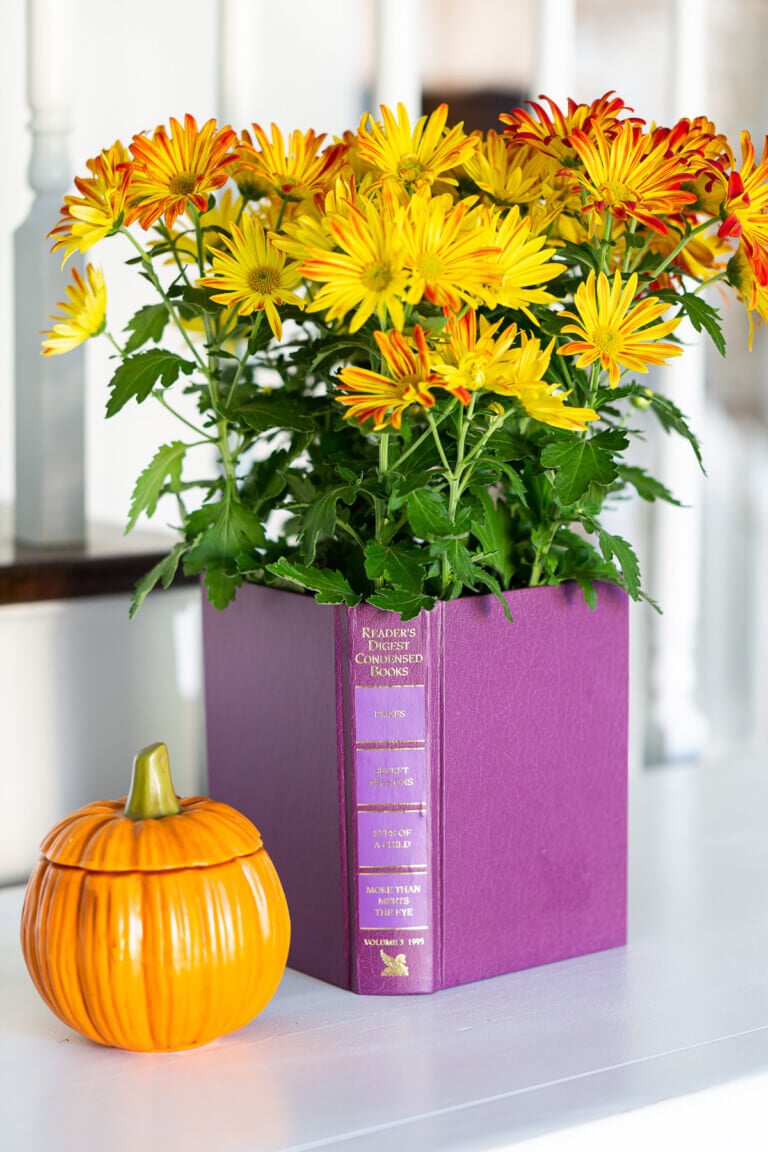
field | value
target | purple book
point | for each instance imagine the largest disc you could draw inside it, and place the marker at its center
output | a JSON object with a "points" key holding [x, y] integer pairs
{"points": [[444, 799]]}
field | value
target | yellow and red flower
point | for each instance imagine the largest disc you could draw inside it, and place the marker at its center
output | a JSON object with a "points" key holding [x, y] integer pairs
{"points": [[294, 172], [745, 207], [550, 131], [172, 171], [83, 313], [99, 210], [630, 176], [614, 331], [372, 395]]}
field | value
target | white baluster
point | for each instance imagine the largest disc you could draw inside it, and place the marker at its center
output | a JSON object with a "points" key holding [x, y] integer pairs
{"points": [[50, 447], [243, 64], [555, 38], [678, 727], [398, 56]]}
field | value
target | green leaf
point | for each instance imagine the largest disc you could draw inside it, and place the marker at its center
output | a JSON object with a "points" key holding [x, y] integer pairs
{"points": [[646, 486], [428, 514], [460, 560], [702, 315], [319, 518], [221, 585], [491, 582], [672, 420], [226, 529], [137, 376], [148, 324], [196, 301], [164, 467], [399, 564], [163, 572], [276, 410], [625, 555], [407, 604], [493, 533], [588, 590], [580, 463], [330, 587], [508, 445]]}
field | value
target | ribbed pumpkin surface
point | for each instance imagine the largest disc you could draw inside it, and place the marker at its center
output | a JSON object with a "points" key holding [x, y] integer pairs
{"points": [[99, 838], [154, 960]]}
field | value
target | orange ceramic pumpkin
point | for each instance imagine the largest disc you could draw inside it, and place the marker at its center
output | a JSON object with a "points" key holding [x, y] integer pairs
{"points": [[155, 924]]}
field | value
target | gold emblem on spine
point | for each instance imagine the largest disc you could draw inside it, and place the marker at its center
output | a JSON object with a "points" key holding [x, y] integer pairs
{"points": [[394, 965]]}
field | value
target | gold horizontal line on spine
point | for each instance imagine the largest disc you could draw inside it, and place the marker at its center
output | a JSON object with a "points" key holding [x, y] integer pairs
{"points": [[387, 928], [377, 687], [391, 745], [393, 870], [392, 807]]}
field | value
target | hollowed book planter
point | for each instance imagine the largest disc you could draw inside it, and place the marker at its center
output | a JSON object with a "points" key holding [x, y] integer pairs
{"points": [[445, 799]]}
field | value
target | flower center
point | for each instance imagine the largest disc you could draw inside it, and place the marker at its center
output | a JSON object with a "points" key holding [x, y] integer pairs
{"points": [[410, 168], [263, 281], [182, 183], [431, 266], [614, 192], [377, 277], [606, 340]]}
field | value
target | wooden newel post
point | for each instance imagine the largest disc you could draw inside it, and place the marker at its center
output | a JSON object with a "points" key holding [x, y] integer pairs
{"points": [[50, 392]]}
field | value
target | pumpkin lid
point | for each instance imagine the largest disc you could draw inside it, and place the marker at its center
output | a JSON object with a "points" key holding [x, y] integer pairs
{"points": [[100, 838], [151, 830]]}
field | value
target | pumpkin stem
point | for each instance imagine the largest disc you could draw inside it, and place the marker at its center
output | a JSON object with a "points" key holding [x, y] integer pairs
{"points": [[151, 793]]}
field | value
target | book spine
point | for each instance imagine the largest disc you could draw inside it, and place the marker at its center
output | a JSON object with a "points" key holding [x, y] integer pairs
{"points": [[391, 744]]}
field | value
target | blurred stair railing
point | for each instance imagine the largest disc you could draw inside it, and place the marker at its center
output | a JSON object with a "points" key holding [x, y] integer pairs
{"points": [[50, 436]]}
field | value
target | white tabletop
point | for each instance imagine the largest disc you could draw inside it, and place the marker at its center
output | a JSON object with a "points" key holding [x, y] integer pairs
{"points": [[683, 1008]]}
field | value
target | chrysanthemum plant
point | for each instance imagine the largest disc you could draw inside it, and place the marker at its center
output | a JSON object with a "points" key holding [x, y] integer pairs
{"points": [[417, 352]]}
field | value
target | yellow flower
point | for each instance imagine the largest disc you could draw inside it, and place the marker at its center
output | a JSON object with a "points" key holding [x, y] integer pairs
{"points": [[367, 275], [415, 158], [309, 229], [450, 252], [544, 403], [523, 264], [506, 176], [84, 313], [613, 332], [630, 175], [173, 171], [253, 275], [495, 362], [473, 362], [294, 173], [99, 210], [371, 395]]}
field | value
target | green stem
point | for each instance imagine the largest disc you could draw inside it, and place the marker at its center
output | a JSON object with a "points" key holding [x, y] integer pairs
{"points": [[147, 263], [380, 505], [205, 438], [439, 444], [628, 250], [679, 247], [538, 561], [606, 242], [429, 431], [151, 794]]}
